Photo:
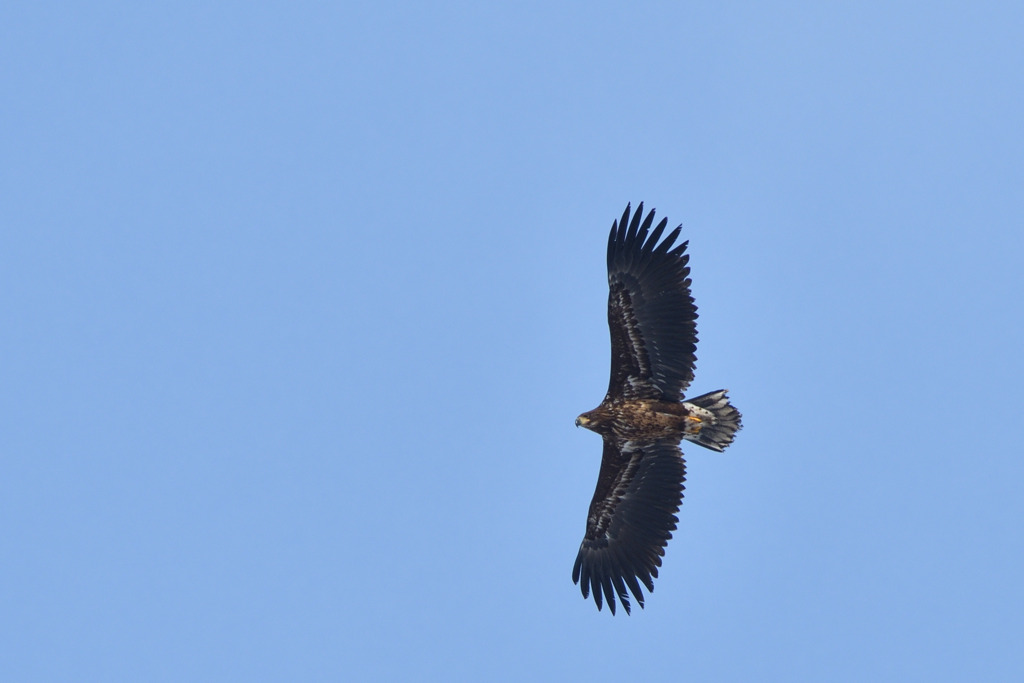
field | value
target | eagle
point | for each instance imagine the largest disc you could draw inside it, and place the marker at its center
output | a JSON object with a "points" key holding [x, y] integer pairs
{"points": [[643, 417]]}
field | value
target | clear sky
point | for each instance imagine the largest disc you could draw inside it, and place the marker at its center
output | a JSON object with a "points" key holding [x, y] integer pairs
{"points": [[300, 301]]}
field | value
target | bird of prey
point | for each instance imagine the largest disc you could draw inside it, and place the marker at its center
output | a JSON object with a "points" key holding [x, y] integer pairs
{"points": [[643, 417]]}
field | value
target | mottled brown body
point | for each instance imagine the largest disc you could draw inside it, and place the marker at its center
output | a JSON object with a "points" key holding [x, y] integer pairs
{"points": [[626, 419]]}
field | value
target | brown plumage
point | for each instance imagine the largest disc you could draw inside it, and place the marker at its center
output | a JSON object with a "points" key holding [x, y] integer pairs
{"points": [[652, 319]]}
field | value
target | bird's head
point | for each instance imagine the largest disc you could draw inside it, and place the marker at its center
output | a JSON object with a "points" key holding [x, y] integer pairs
{"points": [[591, 420]]}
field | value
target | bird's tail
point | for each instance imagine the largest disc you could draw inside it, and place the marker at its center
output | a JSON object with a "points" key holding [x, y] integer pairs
{"points": [[718, 432]]}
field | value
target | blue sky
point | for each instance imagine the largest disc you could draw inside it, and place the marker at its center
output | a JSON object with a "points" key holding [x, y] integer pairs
{"points": [[301, 300]]}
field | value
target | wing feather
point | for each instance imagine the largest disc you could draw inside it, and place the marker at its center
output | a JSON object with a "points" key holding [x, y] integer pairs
{"points": [[632, 517], [651, 314]]}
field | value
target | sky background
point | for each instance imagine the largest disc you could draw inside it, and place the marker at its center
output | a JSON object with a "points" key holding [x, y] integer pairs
{"points": [[300, 300]]}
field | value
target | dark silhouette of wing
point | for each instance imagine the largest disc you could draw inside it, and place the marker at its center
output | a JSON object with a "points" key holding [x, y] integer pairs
{"points": [[631, 519], [651, 314]]}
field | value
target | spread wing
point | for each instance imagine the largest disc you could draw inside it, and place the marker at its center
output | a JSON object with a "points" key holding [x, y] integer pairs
{"points": [[651, 314], [631, 519]]}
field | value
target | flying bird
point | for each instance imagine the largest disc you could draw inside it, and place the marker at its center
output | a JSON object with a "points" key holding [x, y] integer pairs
{"points": [[643, 417]]}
